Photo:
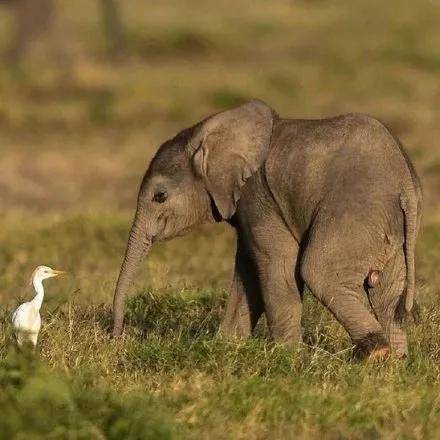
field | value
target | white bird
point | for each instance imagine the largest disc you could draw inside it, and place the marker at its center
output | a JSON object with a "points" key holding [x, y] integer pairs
{"points": [[26, 319]]}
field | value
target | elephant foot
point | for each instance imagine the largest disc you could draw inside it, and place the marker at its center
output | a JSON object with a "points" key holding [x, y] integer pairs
{"points": [[373, 346], [116, 332], [234, 331], [290, 341], [379, 355], [400, 353]]}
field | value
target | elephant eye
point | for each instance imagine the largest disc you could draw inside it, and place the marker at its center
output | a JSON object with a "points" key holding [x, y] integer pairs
{"points": [[160, 196]]}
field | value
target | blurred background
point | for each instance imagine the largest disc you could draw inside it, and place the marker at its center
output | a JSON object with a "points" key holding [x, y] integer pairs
{"points": [[88, 91], [90, 88]]}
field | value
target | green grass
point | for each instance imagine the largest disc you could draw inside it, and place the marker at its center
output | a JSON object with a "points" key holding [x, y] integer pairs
{"points": [[171, 376], [74, 142]]}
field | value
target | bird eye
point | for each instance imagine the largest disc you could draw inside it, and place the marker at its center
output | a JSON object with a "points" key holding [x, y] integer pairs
{"points": [[160, 196]]}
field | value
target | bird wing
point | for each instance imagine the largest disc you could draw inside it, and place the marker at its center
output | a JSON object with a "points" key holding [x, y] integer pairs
{"points": [[26, 318], [18, 313]]}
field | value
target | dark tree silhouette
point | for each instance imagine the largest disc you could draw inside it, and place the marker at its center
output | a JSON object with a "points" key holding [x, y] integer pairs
{"points": [[32, 19], [113, 26]]}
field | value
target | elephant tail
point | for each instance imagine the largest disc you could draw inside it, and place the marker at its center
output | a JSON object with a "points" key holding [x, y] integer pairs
{"points": [[409, 205]]}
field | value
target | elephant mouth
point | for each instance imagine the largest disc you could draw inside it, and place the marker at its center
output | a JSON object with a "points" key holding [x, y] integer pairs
{"points": [[215, 212], [159, 238]]}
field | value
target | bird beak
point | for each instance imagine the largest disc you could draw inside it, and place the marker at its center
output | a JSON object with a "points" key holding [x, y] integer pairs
{"points": [[57, 273]]}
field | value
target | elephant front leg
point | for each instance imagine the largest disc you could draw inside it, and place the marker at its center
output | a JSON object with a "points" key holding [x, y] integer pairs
{"points": [[282, 300], [244, 306]]}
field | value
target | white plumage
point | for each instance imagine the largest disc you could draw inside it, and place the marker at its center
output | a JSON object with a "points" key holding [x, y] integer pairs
{"points": [[26, 319]]}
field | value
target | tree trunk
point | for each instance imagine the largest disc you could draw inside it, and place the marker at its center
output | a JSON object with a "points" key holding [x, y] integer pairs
{"points": [[113, 27], [32, 19]]}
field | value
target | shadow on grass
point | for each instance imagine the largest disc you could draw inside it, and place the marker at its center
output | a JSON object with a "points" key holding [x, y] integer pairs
{"points": [[183, 314]]}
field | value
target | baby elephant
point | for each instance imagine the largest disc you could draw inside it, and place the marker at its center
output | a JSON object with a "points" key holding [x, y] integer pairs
{"points": [[333, 204]]}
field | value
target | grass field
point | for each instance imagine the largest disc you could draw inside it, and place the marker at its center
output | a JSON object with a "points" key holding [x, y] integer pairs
{"points": [[74, 141]]}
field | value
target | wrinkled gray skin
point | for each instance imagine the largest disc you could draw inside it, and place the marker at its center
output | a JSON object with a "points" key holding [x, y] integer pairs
{"points": [[316, 203]]}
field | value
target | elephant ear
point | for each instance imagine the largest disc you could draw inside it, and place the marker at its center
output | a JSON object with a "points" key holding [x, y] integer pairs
{"points": [[228, 148]]}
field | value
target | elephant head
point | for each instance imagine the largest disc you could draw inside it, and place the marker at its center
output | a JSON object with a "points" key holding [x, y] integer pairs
{"points": [[194, 178]]}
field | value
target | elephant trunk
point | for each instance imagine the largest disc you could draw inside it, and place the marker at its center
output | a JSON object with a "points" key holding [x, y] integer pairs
{"points": [[138, 246]]}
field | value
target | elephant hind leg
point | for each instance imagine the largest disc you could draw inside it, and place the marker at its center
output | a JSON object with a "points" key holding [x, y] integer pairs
{"points": [[344, 300], [387, 300], [333, 267]]}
